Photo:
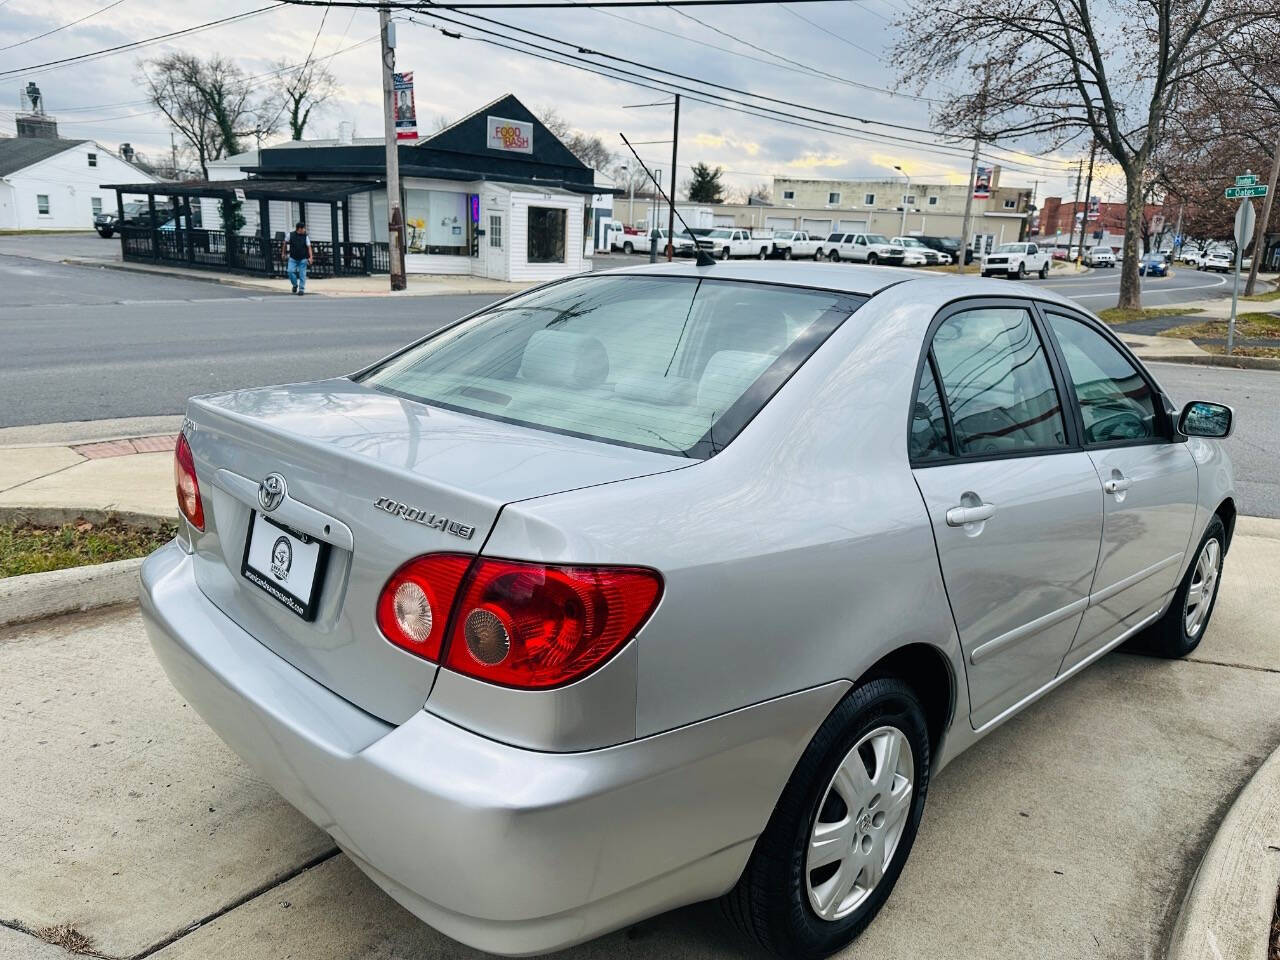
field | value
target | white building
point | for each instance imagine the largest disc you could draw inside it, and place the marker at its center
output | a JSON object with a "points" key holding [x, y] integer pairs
{"points": [[54, 184]]}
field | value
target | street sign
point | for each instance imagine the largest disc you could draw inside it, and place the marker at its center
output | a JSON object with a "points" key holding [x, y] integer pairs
{"points": [[1244, 224], [1239, 193], [1246, 180]]}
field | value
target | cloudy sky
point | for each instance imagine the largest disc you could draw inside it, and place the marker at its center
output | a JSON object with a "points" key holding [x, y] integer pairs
{"points": [[830, 63]]}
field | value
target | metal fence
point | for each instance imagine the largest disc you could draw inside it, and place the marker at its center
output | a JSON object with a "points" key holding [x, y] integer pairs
{"points": [[247, 253]]}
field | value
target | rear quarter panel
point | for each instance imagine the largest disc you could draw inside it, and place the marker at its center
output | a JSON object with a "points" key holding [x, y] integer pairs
{"points": [[798, 555]]}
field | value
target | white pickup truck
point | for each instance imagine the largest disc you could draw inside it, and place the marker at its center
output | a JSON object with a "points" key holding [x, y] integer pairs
{"points": [[726, 242], [860, 248], [639, 242], [793, 244], [1016, 260]]}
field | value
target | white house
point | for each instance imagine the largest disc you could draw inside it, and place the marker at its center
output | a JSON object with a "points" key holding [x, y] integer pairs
{"points": [[55, 184]]}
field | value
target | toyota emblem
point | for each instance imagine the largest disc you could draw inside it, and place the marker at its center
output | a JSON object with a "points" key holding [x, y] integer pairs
{"points": [[271, 491]]}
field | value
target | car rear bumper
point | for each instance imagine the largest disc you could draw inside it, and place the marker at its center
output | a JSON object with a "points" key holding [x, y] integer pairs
{"points": [[508, 850]]}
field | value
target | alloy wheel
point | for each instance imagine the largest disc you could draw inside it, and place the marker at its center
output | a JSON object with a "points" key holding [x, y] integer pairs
{"points": [[860, 822], [1204, 581]]}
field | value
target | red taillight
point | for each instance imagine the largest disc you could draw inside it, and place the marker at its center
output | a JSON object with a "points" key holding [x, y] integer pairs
{"points": [[517, 624], [534, 626], [184, 480], [413, 608]]}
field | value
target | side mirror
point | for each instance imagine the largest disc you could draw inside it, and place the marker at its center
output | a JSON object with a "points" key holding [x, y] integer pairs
{"points": [[1203, 418]]}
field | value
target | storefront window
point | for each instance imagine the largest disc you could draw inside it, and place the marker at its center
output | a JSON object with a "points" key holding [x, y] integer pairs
{"points": [[546, 234], [438, 221]]}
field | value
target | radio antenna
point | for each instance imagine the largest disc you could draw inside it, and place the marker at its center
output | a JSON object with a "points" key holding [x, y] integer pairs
{"points": [[701, 257]]}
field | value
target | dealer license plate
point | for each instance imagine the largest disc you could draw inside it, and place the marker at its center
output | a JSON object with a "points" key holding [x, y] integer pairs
{"points": [[284, 564]]}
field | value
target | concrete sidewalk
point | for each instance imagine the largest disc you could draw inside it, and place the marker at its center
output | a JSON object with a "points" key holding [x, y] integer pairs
{"points": [[1070, 832], [374, 285]]}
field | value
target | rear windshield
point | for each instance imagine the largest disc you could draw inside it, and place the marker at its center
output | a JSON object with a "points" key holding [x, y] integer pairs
{"points": [[674, 364]]}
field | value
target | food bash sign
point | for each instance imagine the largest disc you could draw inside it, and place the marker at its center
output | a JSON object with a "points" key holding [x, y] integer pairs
{"points": [[515, 136]]}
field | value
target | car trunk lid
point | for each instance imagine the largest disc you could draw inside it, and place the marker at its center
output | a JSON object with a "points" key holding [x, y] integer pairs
{"points": [[380, 480]]}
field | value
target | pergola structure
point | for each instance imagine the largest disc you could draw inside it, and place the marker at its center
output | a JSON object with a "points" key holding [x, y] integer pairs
{"points": [[178, 243]]}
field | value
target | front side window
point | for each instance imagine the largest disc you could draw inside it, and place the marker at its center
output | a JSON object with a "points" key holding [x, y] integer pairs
{"points": [[547, 234], [42, 204], [673, 364], [1115, 401], [996, 380]]}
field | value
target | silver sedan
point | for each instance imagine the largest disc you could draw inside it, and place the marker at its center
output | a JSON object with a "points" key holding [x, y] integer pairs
{"points": [[679, 582]]}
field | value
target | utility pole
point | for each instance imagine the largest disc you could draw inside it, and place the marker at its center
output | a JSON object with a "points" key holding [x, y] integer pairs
{"points": [[671, 210], [1075, 211], [1261, 229], [395, 219], [654, 213], [1088, 187], [973, 169]]}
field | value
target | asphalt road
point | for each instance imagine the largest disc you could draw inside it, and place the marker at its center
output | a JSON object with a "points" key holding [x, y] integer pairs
{"points": [[1101, 288]]}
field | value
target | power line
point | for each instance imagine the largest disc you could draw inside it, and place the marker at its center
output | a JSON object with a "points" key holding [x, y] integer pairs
{"points": [[134, 44], [41, 36], [536, 4], [846, 40]]}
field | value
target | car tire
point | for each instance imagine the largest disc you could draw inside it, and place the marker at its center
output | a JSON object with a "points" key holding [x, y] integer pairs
{"points": [[1044, 272], [872, 259], [763, 254], [786, 253], [628, 247], [724, 253], [1022, 271], [834, 256], [774, 900], [1183, 625]]}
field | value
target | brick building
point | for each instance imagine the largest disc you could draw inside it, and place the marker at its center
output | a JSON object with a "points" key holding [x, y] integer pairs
{"points": [[1057, 217]]}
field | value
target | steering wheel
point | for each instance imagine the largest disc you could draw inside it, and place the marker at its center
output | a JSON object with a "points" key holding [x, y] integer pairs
{"points": [[1125, 425]]}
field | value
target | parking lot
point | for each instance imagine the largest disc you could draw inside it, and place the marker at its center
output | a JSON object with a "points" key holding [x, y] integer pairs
{"points": [[1070, 832]]}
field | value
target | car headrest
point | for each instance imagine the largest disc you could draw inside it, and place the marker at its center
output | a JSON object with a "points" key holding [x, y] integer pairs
{"points": [[558, 358], [727, 376]]}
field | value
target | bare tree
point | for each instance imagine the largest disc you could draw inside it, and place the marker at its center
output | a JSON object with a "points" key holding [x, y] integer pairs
{"points": [[589, 149], [1060, 69], [210, 102], [299, 90]]}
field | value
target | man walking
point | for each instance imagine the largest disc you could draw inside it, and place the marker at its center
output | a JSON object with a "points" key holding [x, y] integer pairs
{"points": [[297, 249]]}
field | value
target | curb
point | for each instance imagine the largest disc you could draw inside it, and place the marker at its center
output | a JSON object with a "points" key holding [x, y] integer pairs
{"points": [[129, 268], [1218, 360], [34, 596], [1226, 914]]}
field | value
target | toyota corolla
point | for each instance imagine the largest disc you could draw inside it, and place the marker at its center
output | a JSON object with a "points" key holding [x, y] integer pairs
{"points": [[682, 582]]}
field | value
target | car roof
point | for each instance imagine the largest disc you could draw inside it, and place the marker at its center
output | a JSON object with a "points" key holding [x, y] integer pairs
{"points": [[850, 278]]}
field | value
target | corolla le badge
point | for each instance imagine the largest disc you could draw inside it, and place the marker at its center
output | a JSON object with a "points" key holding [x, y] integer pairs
{"points": [[425, 517], [271, 492]]}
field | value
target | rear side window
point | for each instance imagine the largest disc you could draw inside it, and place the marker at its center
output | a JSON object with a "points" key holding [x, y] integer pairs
{"points": [[674, 364], [996, 380], [1115, 401]]}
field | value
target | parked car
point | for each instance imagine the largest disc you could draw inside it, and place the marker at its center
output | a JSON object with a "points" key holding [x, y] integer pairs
{"points": [[916, 254], [1153, 265], [794, 244], [1192, 256], [136, 213], [871, 248], [727, 242], [1016, 260], [1099, 256], [948, 245], [480, 680], [640, 242], [1219, 259]]}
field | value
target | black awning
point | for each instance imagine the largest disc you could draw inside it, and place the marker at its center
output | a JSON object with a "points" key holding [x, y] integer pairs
{"points": [[308, 191]]}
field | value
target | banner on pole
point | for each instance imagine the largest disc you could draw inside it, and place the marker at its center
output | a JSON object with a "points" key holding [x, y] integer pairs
{"points": [[406, 112], [1095, 208], [982, 184]]}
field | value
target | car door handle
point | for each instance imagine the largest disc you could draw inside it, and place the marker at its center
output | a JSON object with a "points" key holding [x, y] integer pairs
{"points": [[1117, 484], [959, 516]]}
